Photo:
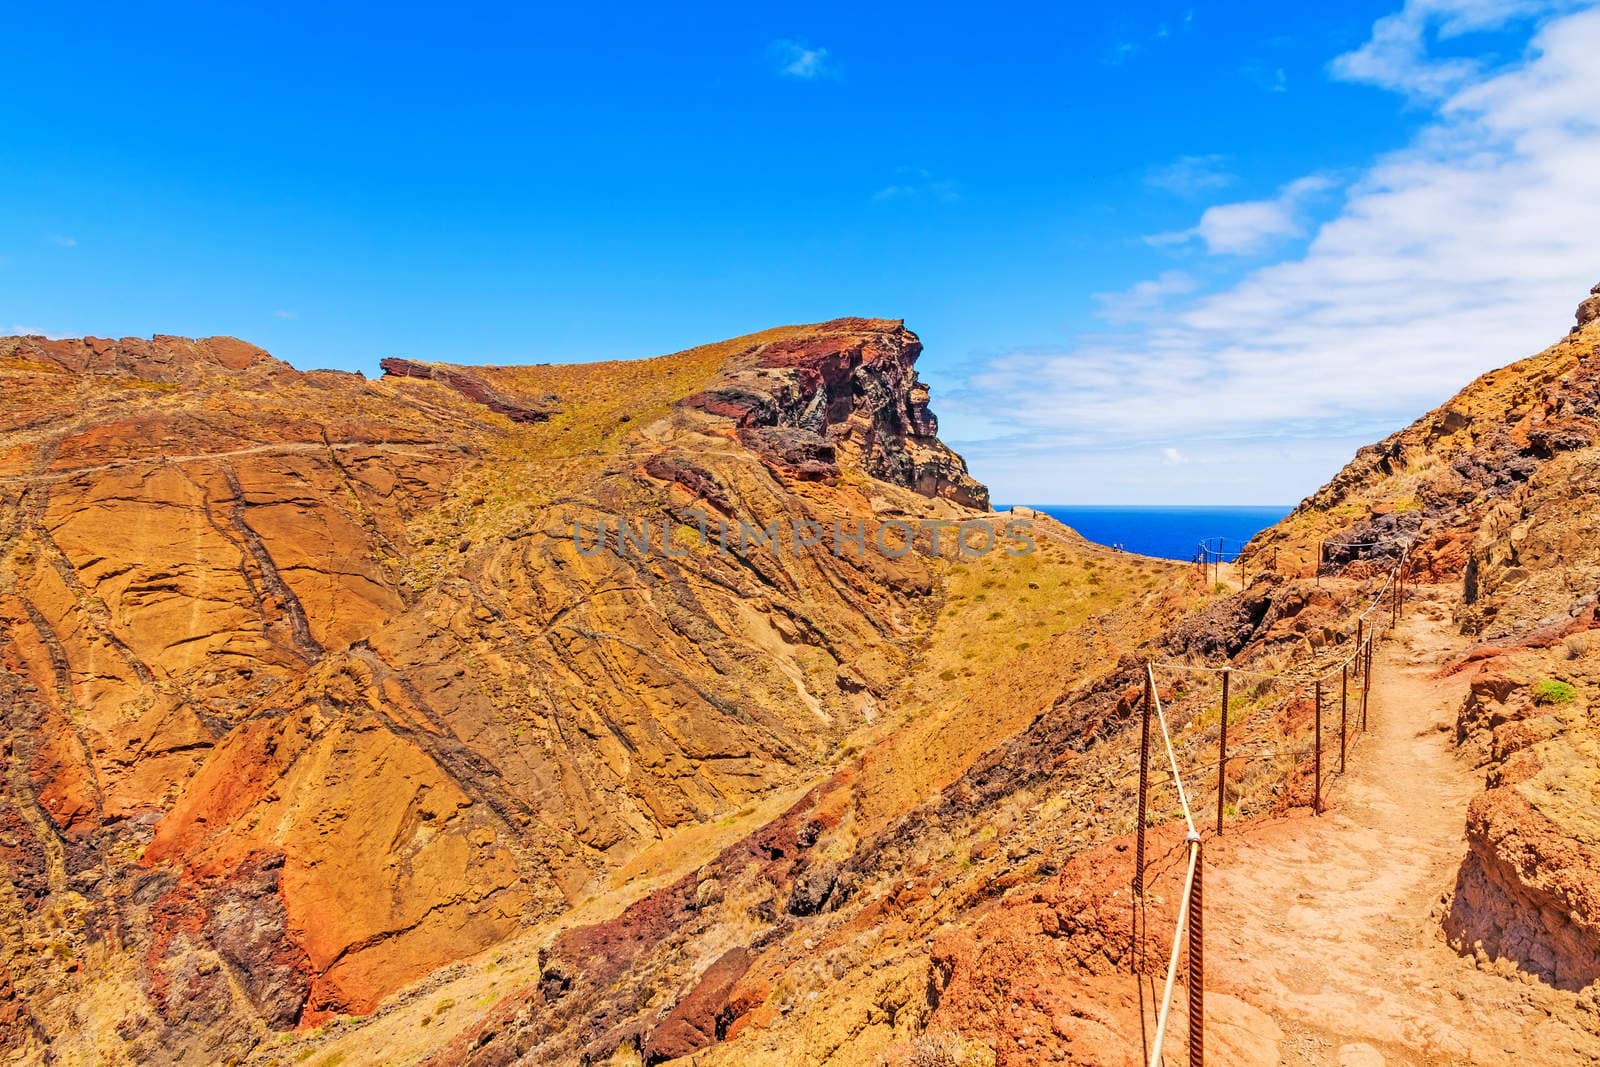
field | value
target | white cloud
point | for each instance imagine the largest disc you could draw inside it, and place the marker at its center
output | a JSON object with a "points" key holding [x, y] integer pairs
{"points": [[796, 59], [1191, 175], [1173, 456], [61, 240], [1461, 252], [1396, 55], [915, 183], [1145, 298], [1252, 226], [284, 314]]}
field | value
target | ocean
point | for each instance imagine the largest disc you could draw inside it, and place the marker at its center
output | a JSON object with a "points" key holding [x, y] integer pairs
{"points": [[1159, 530]]}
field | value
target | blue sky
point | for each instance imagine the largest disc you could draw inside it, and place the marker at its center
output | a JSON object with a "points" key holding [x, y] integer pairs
{"points": [[1187, 253]]}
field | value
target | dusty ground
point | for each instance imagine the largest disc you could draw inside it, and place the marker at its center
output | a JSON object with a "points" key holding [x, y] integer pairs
{"points": [[1330, 925]]}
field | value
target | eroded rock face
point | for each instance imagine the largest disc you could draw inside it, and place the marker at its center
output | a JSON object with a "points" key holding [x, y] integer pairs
{"points": [[1527, 897], [309, 690], [1589, 310], [851, 387]]}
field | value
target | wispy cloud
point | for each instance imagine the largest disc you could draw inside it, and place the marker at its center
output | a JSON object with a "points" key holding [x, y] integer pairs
{"points": [[61, 240], [797, 59], [915, 183], [1463, 251], [1174, 457], [1144, 299], [1252, 226], [26, 331], [281, 313], [1191, 175], [1120, 52], [1396, 56], [1132, 42]]}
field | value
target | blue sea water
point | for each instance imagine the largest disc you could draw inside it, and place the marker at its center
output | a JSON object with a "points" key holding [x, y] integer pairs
{"points": [[1156, 530]]}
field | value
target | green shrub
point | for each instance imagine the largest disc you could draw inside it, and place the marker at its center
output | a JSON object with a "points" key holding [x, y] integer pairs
{"points": [[1552, 692]]}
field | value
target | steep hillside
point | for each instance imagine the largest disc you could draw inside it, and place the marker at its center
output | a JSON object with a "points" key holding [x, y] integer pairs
{"points": [[315, 685], [1499, 490]]}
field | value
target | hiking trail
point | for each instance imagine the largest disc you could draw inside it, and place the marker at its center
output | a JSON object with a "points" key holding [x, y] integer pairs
{"points": [[1329, 925]]}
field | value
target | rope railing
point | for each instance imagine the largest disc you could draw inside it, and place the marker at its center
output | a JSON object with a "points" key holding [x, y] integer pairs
{"points": [[1357, 667], [1213, 552], [1188, 902]]}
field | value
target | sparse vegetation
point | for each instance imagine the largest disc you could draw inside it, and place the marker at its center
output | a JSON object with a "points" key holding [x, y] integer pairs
{"points": [[946, 1049], [1550, 692]]}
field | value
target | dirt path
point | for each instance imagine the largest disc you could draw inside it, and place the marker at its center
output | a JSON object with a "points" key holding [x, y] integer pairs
{"points": [[1328, 925]]}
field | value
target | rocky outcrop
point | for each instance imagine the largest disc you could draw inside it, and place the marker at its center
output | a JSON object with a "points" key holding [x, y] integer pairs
{"points": [[700, 1019], [1589, 310], [1526, 894], [848, 385], [469, 385], [1527, 897]]}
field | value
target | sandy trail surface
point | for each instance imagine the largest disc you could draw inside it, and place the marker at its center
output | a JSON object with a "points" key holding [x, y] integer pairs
{"points": [[1329, 925]]}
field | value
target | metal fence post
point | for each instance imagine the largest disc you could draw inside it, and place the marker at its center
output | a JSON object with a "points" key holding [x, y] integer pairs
{"points": [[1144, 785], [1344, 710], [1222, 750], [1316, 795], [1366, 685]]}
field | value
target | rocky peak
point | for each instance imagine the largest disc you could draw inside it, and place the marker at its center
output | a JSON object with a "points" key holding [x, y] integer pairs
{"points": [[1589, 310], [845, 389]]}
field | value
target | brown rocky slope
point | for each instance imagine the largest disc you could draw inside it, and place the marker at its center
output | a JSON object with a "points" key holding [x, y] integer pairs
{"points": [[310, 689]]}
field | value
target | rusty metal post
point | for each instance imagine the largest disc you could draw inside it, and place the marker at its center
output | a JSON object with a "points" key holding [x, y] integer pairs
{"points": [[1197, 964], [1144, 785], [1344, 709], [1316, 795], [1366, 686], [1361, 635], [1222, 750]]}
